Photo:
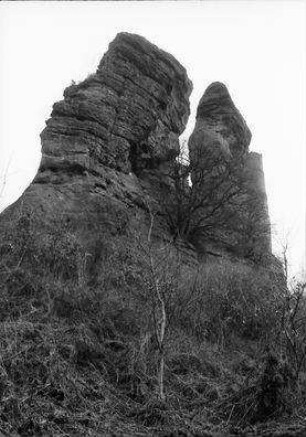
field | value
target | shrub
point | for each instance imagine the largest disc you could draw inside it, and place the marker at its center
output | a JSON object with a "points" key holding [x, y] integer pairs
{"points": [[228, 299]]}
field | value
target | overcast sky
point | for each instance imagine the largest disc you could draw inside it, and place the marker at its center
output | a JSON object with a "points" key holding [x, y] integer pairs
{"points": [[257, 48]]}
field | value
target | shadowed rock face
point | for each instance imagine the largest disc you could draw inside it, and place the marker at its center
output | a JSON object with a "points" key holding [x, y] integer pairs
{"points": [[219, 125], [115, 136], [258, 214], [127, 116], [105, 141], [221, 139]]}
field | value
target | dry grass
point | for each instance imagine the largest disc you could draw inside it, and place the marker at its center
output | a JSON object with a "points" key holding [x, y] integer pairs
{"points": [[79, 356]]}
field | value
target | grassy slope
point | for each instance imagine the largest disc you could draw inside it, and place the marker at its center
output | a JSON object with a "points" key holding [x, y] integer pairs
{"points": [[78, 346]]}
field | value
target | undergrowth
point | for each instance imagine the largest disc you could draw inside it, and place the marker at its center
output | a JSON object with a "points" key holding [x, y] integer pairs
{"points": [[79, 352]]}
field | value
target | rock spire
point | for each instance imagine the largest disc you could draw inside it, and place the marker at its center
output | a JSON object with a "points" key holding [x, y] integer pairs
{"points": [[223, 168]]}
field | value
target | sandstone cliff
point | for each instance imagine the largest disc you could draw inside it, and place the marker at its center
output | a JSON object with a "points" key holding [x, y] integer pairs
{"points": [[110, 135], [127, 116], [110, 147]]}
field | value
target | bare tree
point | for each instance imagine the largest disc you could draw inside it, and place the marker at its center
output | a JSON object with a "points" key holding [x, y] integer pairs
{"points": [[293, 323], [4, 178], [212, 201], [294, 326], [160, 272]]}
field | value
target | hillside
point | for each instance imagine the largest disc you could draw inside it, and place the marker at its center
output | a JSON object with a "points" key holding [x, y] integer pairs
{"points": [[139, 292]]}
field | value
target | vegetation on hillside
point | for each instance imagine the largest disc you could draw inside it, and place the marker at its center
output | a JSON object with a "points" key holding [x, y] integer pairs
{"points": [[210, 201], [84, 351]]}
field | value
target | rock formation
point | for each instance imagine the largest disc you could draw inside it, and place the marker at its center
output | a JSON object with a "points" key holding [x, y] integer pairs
{"points": [[127, 116], [113, 299], [229, 176], [108, 133], [219, 125], [115, 136]]}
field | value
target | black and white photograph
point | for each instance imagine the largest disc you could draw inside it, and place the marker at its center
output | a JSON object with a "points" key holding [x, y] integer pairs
{"points": [[152, 218]]}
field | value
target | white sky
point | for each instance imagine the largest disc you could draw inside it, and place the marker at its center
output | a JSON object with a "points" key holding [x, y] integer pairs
{"points": [[257, 48]]}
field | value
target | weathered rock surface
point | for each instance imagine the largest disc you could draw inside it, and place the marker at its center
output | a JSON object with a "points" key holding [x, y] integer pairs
{"points": [[127, 116], [104, 141], [115, 136], [219, 125], [258, 214], [228, 179]]}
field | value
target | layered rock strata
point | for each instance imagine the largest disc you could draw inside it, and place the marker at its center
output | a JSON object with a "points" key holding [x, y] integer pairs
{"points": [[112, 143], [127, 116], [112, 127], [105, 141]]}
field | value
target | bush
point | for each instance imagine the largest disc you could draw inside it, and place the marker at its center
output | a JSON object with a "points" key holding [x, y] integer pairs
{"points": [[229, 299], [79, 335]]}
